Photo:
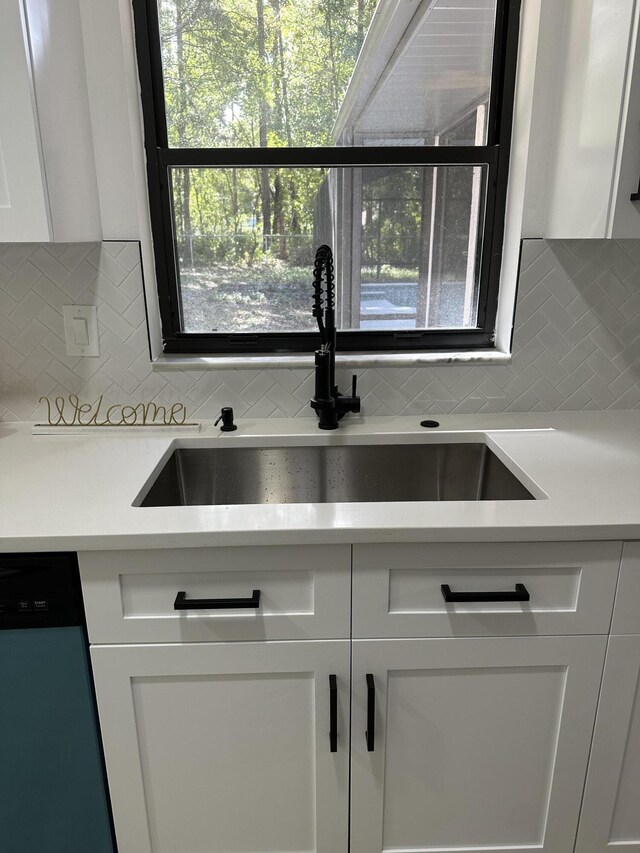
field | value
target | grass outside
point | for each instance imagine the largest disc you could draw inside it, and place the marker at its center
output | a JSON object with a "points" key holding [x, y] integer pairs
{"points": [[269, 296]]}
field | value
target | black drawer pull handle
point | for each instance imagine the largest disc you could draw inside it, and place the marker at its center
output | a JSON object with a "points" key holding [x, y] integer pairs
{"points": [[183, 603], [370, 733], [521, 593], [333, 713]]}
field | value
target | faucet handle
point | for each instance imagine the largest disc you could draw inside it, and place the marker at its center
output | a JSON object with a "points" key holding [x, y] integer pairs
{"points": [[354, 400]]}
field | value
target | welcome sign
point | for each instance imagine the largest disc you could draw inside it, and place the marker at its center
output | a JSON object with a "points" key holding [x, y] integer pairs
{"points": [[66, 413]]}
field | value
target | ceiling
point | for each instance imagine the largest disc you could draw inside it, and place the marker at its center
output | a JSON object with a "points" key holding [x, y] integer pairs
{"points": [[422, 65]]}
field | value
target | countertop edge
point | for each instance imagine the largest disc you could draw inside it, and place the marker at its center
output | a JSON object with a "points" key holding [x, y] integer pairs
{"points": [[356, 536]]}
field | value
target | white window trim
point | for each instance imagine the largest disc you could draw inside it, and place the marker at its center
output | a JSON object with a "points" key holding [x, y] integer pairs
{"points": [[362, 360]]}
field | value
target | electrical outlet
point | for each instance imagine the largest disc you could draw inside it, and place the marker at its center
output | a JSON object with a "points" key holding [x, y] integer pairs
{"points": [[81, 329]]}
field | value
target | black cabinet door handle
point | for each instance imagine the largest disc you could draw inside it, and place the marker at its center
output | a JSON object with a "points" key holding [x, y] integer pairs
{"points": [[184, 603], [370, 733], [636, 196], [333, 713], [521, 593]]}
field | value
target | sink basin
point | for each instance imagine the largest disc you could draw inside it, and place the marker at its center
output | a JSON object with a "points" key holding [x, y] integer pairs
{"points": [[319, 474]]}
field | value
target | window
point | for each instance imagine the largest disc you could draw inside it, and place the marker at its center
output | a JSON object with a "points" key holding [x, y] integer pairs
{"points": [[380, 128]]}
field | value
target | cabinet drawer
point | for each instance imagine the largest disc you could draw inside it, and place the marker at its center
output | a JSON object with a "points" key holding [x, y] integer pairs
{"points": [[397, 589], [303, 593], [626, 613]]}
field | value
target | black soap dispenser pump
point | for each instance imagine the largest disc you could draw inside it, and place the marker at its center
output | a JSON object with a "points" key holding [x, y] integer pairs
{"points": [[226, 416]]}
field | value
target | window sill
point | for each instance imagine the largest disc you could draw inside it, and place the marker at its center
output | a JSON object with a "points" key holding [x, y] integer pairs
{"points": [[306, 360]]}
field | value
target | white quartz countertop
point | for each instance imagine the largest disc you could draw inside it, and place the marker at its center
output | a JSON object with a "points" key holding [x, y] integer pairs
{"points": [[76, 492]]}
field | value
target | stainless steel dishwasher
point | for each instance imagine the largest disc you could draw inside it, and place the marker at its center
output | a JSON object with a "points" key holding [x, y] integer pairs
{"points": [[53, 796]]}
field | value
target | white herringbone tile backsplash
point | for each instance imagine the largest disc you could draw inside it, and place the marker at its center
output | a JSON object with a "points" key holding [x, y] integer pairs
{"points": [[576, 342]]}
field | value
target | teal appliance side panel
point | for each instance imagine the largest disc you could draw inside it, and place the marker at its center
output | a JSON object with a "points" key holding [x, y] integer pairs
{"points": [[52, 790]]}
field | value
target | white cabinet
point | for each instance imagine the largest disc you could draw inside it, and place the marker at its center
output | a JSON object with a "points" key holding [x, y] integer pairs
{"points": [[625, 212], [478, 744], [60, 79], [24, 203], [225, 748], [482, 731], [611, 815], [48, 184], [585, 150], [218, 723]]}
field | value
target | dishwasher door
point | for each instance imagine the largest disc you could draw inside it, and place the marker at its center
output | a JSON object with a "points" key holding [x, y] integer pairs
{"points": [[52, 787]]}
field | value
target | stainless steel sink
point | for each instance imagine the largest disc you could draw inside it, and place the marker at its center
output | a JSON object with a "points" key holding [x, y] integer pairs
{"points": [[400, 472]]}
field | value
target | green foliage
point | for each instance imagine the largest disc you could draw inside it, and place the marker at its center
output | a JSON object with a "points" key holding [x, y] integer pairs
{"points": [[241, 73]]}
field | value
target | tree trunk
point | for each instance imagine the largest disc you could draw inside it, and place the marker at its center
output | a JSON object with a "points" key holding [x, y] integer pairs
{"points": [[186, 214], [283, 77], [234, 199], [286, 114], [295, 218], [278, 216], [185, 183], [265, 190], [199, 204], [332, 56], [360, 23]]}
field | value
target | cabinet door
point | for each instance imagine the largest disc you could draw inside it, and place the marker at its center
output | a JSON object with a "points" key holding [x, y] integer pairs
{"points": [[625, 212], [24, 204], [225, 748], [585, 88], [479, 743], [611, 811]]}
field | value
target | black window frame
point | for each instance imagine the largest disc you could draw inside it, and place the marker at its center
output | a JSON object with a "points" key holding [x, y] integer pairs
{"points": [[495, 156]]}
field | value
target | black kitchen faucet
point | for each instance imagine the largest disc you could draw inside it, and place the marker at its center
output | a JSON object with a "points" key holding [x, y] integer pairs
{"points": [[329, 404]]}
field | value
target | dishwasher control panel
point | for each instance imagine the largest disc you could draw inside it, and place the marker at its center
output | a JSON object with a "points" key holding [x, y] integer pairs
{"points": [[39, 591]]}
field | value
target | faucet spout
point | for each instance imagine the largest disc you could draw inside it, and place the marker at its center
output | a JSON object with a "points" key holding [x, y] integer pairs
{"points": [[328, 403]]}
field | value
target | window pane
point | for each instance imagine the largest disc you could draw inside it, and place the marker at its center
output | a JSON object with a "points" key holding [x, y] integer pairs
{"points": [[405, 239], [274, 73]]}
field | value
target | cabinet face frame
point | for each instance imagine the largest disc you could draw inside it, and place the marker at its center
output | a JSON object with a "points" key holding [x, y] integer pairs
{"points": [[617, 711], [115, 669], [626, 613], [581, 657]]}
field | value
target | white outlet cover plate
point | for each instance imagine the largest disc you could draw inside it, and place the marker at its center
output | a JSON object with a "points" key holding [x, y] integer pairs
{"points": [[75, 317]]}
